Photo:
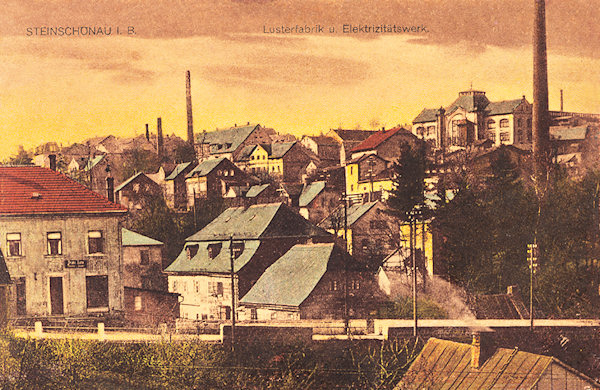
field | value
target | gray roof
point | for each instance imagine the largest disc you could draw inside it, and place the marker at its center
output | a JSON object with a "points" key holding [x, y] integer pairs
{"points": [[246, 152], [310, 192], [177, 171], [221, 263], [254, 191], [568, 133], [427, 115], [503, 107], [257, 221], [233, 137], [131, 238], [470, 101], [4, 275], [355, 212], [205, 167], [132, 178], [91, 163], [291, 279], [280, 149]]}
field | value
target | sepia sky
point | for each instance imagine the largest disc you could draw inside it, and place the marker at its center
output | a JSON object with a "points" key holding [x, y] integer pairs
{"points": [[67, 88]]}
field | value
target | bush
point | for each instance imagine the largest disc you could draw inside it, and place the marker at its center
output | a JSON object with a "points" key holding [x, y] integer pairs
{"points": [[402, 308]]}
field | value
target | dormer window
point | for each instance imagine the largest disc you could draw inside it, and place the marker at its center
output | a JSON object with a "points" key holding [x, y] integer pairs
{"points": [[228, 145], [237, 249], [214, 250], [191, 251]]}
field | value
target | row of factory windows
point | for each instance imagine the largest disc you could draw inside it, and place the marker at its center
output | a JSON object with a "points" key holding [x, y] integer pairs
{"points": [[54, 246]]}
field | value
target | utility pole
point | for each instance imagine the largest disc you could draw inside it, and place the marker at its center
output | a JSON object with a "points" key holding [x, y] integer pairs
{"points": [[231, 259], [413, 241], [346, 318], [532, 254]]}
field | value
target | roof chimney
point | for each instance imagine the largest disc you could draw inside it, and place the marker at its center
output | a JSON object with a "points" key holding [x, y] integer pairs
{"points": [[188, 97], [159, 138], [481, 348], [52, 158], [110, 188]]}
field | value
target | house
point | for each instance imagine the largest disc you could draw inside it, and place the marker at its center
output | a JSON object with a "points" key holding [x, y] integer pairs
{"points": [[255, 194], [254, 237], [348, 139], [286, 161], [500, 306], [369, 177], [175, 189], [213, 178], [472, 117], [146, 297], [568, 139], [444, 364], [91, 172], [386, 144], [62, 244], [326, 148], [228, 143], [318, 200], [373, 235], [307, 282], [5, 282], [137, 191]]}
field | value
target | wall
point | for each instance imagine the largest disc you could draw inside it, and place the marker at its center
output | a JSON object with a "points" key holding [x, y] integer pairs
{"points": [[138, 275], [37, 267], [198, 301], [154, 308]]}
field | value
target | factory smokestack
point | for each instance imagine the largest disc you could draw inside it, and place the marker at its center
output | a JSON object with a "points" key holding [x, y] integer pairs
{"points": [[147, 133], [188, 100], [159, 138], [541, 118]]}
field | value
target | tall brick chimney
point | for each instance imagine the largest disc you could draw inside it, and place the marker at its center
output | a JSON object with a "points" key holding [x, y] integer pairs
{"points": [[147, 133], [188, 100], [541, 117], [159, 138]]}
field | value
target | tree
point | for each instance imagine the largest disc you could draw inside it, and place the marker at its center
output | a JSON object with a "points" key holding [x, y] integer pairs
{"points": [[408, 174], [139, 160], [21, 158]]}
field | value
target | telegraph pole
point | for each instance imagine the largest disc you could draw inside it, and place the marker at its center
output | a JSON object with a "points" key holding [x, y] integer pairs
{"points": [[413, 242], [346, 318], [532, 255]]}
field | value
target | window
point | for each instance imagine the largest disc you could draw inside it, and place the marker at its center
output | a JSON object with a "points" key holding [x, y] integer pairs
{"points": [[491, 124], [529, 123], [431, 130], [215, 289], [136, 187], [14, 244], [214, 250], [144, 257], [333, 285], [351, 170], [504, 136], [54, 243], [420, 131], [191, 251], [492, 135], [95, 242], [355, 285], [504, 123], [253, 314], [237, 248], [137, 303], [97, 291], [520, 122], [378, 224]]}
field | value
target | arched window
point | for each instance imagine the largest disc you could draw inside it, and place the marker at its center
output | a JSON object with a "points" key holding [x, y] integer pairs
{"points": [[420, 130], [491, 124], [504, 123]]}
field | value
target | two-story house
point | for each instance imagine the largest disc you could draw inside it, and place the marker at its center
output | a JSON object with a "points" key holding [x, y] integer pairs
{"points": [[228, 143], [251, 238], [62, 244]]}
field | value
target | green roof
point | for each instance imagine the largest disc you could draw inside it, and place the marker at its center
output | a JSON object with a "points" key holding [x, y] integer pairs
{"points": [[503, 107], [132, 178], [427, 115], [256, 190], [177, 171], [221, 263], [310, 192], [257, 221], [291, 279], [130, 238], [568, 133], [355, 212], [91, 163], [205, 167], [226, 141]]}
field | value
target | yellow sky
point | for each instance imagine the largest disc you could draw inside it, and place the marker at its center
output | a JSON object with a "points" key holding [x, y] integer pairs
{"points": [[66, 89]]}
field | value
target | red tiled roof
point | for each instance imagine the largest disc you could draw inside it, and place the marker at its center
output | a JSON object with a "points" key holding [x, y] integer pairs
{"points": [[377, 139], [28, 190]]}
